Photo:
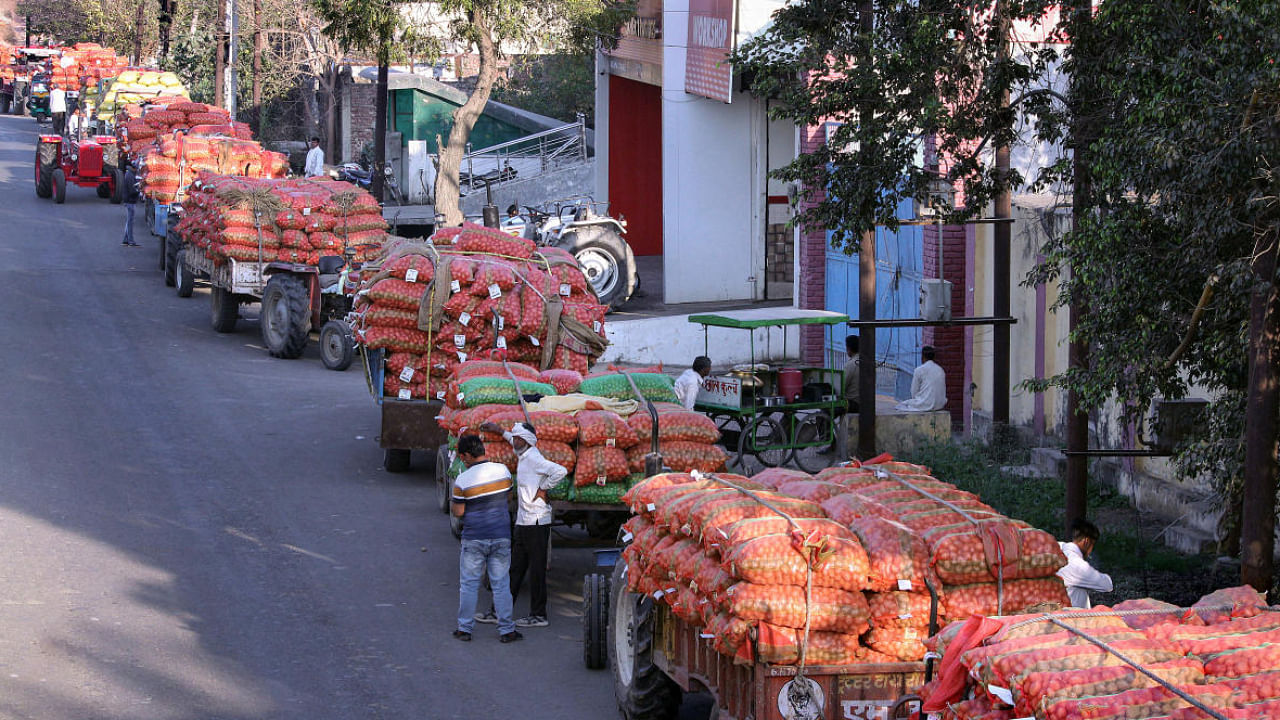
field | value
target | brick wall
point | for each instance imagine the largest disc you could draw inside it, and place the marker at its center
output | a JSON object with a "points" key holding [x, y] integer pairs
{"points": [[780, 247], [364, 99], [811, 290], [949, 342]]}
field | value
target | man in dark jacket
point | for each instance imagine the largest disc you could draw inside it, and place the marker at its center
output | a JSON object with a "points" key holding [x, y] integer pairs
{"points": [[130, 200]]}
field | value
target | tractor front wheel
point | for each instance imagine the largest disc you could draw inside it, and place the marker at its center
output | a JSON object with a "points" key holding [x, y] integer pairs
{"points": [[286, 316], [59, 186]]}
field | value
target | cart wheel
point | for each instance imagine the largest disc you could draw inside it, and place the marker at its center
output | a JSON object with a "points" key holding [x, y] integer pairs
{"points": [[395, 460], [642, 690], [182, 277], [171, 245], [443, 489], [595, 620], [337, 345], [905, 707], [818, 432], [224, 310], [766, 440]]}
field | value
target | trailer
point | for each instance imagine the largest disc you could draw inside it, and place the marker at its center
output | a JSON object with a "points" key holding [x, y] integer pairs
{"points": [[656, 657], [406, 424], [295, 299]]}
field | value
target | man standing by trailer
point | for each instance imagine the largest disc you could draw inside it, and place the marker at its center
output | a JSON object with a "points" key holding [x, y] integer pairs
{"points": [[480, 499]]}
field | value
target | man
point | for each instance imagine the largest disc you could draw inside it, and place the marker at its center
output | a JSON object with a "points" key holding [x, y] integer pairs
{"points": [[928, 385], [129, 195], [690, 381], [852, 372], [535, 475], [480, 499], [58, 109], [76, 125], [315, 159], [1079, 576]]}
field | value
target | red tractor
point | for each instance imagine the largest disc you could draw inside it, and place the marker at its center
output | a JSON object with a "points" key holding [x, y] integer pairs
{"points": [[91, 163]]}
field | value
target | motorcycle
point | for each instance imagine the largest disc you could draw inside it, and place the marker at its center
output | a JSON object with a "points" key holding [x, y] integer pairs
{"points": [[582, 226], [362, 178]]}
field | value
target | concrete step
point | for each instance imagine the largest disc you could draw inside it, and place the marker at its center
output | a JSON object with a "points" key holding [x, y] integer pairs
{"points": [[1050, 462]]}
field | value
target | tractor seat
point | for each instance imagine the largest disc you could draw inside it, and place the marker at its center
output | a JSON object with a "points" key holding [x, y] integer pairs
{"points": [[328, 279], [331, 264]]}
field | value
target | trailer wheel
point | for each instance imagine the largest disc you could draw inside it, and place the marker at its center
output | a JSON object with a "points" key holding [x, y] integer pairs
{"points": [[286, 316], [395, 460], [442, 478], [224, 310], [182, 277], [642, 690], [5, 102], [117, 186], [595, 620], [337, 345], [171, 245]]}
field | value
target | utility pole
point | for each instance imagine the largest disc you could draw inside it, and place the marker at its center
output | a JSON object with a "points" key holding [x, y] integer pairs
{"points": [[139, 17], [220, 59], [1000, 259], [380, 120], [257, 63], [867, 309], [231, 87]]}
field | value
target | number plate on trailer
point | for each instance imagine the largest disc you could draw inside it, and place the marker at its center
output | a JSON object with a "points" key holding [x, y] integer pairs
{"points": [[721, 390]]}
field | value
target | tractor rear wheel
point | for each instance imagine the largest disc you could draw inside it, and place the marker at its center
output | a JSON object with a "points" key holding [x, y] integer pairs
{"points": [[46, 161], [59, 186], [642, 690], [286, 316], [104, 190], [607, 262], [182, 277]]}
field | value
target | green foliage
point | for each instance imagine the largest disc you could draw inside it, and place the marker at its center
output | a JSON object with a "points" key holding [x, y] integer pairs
{"points": [[558, 86], [191, 57]]}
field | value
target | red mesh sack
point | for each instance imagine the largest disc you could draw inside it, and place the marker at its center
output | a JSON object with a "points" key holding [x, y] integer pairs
{"points": [[1172, 614], [745, 530], [812, 490], [829, 608], [391, 317], [559, 453], [493, 368], [599, 465], [778, 645], [727, 512], [1239, 602], [681, 455], [773, 478], [601, 427], [564, 381], [396, 339], [899, 559], [422, 267], [906, 644], [394, 292], [502, 452], [677, 425], [480, 239], [899, 609], [775, 560], [964, 600], [849, 507], [492, 279]]}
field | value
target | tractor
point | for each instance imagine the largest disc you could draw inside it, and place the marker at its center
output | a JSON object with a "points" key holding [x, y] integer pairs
{"points": [[90, 163]]}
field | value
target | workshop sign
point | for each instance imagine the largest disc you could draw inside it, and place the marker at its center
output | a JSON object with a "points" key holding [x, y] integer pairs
{"points": [[711, 36]]}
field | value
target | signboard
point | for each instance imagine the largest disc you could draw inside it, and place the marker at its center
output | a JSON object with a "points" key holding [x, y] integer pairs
{"points": [[639, 52], [711, 34], [722, 391]]}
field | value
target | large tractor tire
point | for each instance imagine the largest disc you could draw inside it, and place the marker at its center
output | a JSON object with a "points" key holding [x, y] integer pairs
{"points": [[595, 621], [171, 246], [183, 279], [337, 345], [59, 186], [443, 488], [46, 162], [224, 310], [104, 190], [606, 260], [117, 187], [286, 316], [642, 690]]}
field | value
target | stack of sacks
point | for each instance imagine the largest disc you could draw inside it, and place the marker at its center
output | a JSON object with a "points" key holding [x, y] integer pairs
{"points": [[725, 563], [686, 440], [166, 168], [1221, 652], [137, 125], [603, 439], [140, 86], [978, 554], [487, 292], [270, 220], [81, 67]]}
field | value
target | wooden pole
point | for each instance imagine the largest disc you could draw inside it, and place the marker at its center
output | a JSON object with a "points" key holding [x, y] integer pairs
{"points": [[1000, 256], [220, 58]]}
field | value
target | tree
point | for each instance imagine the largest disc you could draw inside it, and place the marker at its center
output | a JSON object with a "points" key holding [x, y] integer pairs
{"points": [[1173, 252], [559, 86]]}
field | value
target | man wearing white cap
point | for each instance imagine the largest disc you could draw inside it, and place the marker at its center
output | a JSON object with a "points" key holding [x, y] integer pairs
{"points": [[535, 475]]}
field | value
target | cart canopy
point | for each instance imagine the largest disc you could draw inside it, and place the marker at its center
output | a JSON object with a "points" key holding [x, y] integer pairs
{"points": [[769, 317]]}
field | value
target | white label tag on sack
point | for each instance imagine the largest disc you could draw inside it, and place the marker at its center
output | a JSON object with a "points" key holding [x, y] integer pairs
{"points": [[596, 325], [411, 275], [306, 211], [460, 340], [502, 323], [455, 286], [657, 595], [904, 585], [904, 616], [495, 292], [627, 537], [465, 318], [462, 357], [406, 375], [565, 290], [461, 396], [502, 343], [404, 394], [610, 442], [650, 507], [1002, 694], [601, 480], [440, 395]]}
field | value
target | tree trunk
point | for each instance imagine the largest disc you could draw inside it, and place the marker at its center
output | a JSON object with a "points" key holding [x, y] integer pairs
{"points": [[1262, 424], [137, 32], [331, 112], [464, 119], [257, 63], [220, 57], [380, 124]]}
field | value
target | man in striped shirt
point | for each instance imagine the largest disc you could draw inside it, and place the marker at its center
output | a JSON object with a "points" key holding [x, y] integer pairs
{"points": [[480, 498]]}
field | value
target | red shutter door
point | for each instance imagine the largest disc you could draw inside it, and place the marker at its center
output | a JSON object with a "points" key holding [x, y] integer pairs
{"points": [[635, 161]]}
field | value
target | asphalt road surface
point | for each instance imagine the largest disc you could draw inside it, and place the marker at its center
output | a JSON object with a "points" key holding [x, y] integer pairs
{"points": [[190, 528]]}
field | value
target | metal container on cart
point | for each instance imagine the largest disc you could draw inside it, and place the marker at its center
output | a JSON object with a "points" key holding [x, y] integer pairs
{"points": [[754, 416]]}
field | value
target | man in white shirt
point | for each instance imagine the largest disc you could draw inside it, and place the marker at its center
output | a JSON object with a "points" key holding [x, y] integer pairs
{"points": [[928, 385], [535, 475], [690, 381], [315, 159], [1079, 576], [58, 109]]}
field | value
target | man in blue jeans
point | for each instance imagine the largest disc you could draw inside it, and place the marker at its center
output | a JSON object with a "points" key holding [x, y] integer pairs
{"points": [[480, 498], [129, 194]]}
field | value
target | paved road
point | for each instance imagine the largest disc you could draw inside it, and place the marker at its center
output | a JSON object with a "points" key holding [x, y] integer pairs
{"points": [[192, 529]]}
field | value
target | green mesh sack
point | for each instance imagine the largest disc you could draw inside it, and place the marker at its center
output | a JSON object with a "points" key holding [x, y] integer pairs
{"points": [[654, 386], [607, 494], [562, 490], [499, 391]]}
